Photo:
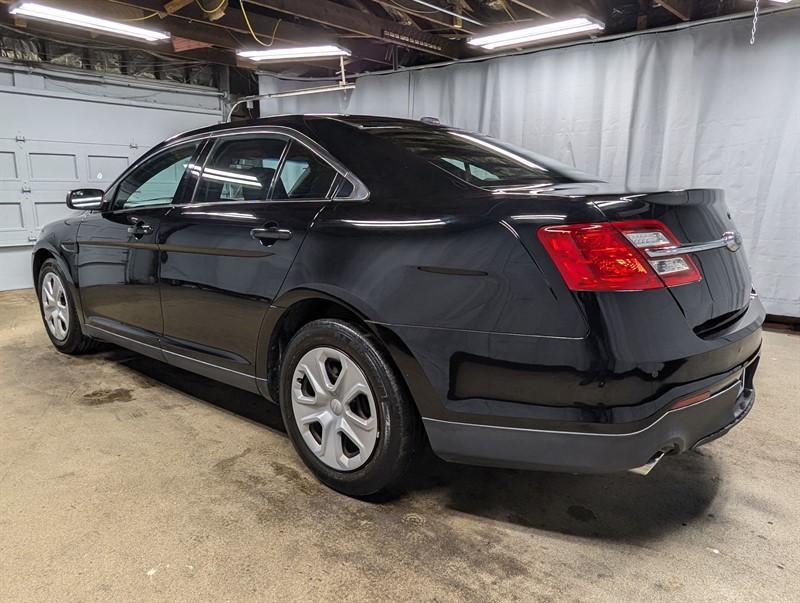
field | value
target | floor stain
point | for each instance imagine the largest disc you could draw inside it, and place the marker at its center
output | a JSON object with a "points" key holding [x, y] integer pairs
{"points": [[581, 513], [227, 463], [107, 396]]}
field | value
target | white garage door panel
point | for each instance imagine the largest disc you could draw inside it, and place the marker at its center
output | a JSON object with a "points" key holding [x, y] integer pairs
{"points": [[8, 166], [10, 216], [57, 167], [12, 208], [53, 167], [50, 211], [105, 168]]}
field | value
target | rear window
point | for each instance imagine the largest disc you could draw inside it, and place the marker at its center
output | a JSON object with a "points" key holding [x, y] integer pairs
{"points": [[477, 159]]}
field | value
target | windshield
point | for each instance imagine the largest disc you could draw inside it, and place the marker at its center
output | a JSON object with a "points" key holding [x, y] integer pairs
{"points": [[478, 159]]}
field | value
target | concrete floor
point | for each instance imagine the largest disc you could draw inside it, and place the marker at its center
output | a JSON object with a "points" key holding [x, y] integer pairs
{"points": [[124, 479]]}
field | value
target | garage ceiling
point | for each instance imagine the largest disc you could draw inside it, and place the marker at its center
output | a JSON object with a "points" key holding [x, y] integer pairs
{"points": [[380, 34]]}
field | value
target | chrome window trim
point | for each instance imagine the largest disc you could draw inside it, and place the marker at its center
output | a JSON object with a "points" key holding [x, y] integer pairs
{"points": [[360, 190]]}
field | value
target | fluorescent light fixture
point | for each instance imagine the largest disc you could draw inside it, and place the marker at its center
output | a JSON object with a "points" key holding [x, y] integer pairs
{"points": [[32, 10], [527, 35], [289, 54]]}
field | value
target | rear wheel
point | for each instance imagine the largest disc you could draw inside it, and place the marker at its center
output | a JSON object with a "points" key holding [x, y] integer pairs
{"points": [[346, 413], [59, 312]]}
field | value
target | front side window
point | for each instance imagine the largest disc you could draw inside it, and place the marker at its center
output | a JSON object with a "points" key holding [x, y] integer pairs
{"points": [[303, 175], [156, 181], [240, 169]]}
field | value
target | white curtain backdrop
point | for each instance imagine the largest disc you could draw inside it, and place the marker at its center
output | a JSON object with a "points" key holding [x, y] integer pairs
{"points": [[697, 107]]}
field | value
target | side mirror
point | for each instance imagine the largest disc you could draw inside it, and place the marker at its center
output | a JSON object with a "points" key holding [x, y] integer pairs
{"points": [[85, 198]]}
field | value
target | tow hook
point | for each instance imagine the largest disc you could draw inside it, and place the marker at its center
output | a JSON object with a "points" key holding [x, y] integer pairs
{"points": [[648, 466]]}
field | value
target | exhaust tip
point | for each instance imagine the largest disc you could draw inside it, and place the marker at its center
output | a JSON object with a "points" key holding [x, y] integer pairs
{"points": [[648, 466]]}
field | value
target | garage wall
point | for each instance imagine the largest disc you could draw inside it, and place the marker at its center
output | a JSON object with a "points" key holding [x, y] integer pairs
{"points": [[62, 130], [696, 107]]}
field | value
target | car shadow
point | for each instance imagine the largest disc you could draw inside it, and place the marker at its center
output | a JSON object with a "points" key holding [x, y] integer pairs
{"points": [[225, 397], [615, 507]]}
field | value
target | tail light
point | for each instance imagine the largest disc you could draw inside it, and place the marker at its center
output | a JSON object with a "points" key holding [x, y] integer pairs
{"points": [[612, 256]]}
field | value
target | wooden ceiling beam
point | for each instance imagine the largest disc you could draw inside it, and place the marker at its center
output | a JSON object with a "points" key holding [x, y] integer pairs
{"points": [[558, 9], [68, 35], [682, 9], [233, 19], [438, 20], [528, 4], [354, 21], [230, 30]]}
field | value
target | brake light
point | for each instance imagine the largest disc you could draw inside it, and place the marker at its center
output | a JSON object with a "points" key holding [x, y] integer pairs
{"points": [[612, 256]]}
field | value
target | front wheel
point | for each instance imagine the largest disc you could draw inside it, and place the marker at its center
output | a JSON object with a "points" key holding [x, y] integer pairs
{"points": [[347, 414], [59, 313]]}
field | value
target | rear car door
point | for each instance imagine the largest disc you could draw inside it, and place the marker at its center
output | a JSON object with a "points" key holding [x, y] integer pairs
{"points": [[117, 251], [225, 255]]}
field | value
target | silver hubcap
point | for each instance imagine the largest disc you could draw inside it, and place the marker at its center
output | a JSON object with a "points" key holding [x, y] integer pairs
{"points": [[55, 306], [334, 408]]}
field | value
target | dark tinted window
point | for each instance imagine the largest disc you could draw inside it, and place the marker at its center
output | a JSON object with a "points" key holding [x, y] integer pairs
{"points": [[240, 169], [156, 181], [344, 189], [303, 175], [477, 159]]}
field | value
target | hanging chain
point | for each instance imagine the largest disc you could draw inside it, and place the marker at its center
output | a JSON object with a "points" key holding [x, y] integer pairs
{"points": [[755, 24]]}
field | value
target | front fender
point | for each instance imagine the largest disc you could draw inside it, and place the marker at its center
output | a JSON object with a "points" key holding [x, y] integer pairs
{"points": [[58, 241]]}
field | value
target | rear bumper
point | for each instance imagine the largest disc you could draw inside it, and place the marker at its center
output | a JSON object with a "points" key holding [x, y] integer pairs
{"points": [[674, 431]]}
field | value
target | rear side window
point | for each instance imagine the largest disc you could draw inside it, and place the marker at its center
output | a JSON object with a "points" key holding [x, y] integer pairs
{"points": [[474, 158], [303, 175], [240, 169]]}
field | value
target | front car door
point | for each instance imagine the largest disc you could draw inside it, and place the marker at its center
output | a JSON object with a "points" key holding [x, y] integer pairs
{"points": [[117, 251], [225, 255]]}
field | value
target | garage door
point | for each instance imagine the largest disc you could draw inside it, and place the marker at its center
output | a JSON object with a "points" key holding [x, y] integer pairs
{"points": [[55, 141], [35, 175]]}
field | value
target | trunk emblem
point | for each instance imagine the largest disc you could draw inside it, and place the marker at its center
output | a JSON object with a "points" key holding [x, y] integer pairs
{"points": [[733, 240]]}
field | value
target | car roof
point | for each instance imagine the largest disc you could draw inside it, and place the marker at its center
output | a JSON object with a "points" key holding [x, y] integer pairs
{"points": [[299, 121]]}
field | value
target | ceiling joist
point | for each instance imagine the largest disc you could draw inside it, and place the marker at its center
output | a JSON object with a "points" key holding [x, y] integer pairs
{"points": [[341, 17], [680, 8]]}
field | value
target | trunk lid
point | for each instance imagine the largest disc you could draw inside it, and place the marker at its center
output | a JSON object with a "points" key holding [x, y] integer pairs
{"points": [[695, 216]]}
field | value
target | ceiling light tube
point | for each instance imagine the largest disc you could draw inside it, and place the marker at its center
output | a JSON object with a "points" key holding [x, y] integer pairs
{"points": [[289, 54], [446, 12], [32, 10], [539, 32]]}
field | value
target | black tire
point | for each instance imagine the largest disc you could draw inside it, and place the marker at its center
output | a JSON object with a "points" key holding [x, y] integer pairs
{"points": [[400, 430], [75, 341]]}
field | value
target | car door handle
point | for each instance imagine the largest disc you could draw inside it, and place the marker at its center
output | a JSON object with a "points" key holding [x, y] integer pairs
{"points": [[271, 233], [140, 229]]}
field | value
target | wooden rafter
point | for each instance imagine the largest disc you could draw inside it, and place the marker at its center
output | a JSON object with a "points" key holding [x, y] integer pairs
{"points": [[349, 19], [680, 8], [230, 31], [421, 14]]}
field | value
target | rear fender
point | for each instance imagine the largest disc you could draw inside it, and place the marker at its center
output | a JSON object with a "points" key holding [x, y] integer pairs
{"points": [[405, 363]]}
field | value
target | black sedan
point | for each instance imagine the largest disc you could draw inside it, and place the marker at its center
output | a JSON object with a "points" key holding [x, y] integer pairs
{"points": [[393, 284]]}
